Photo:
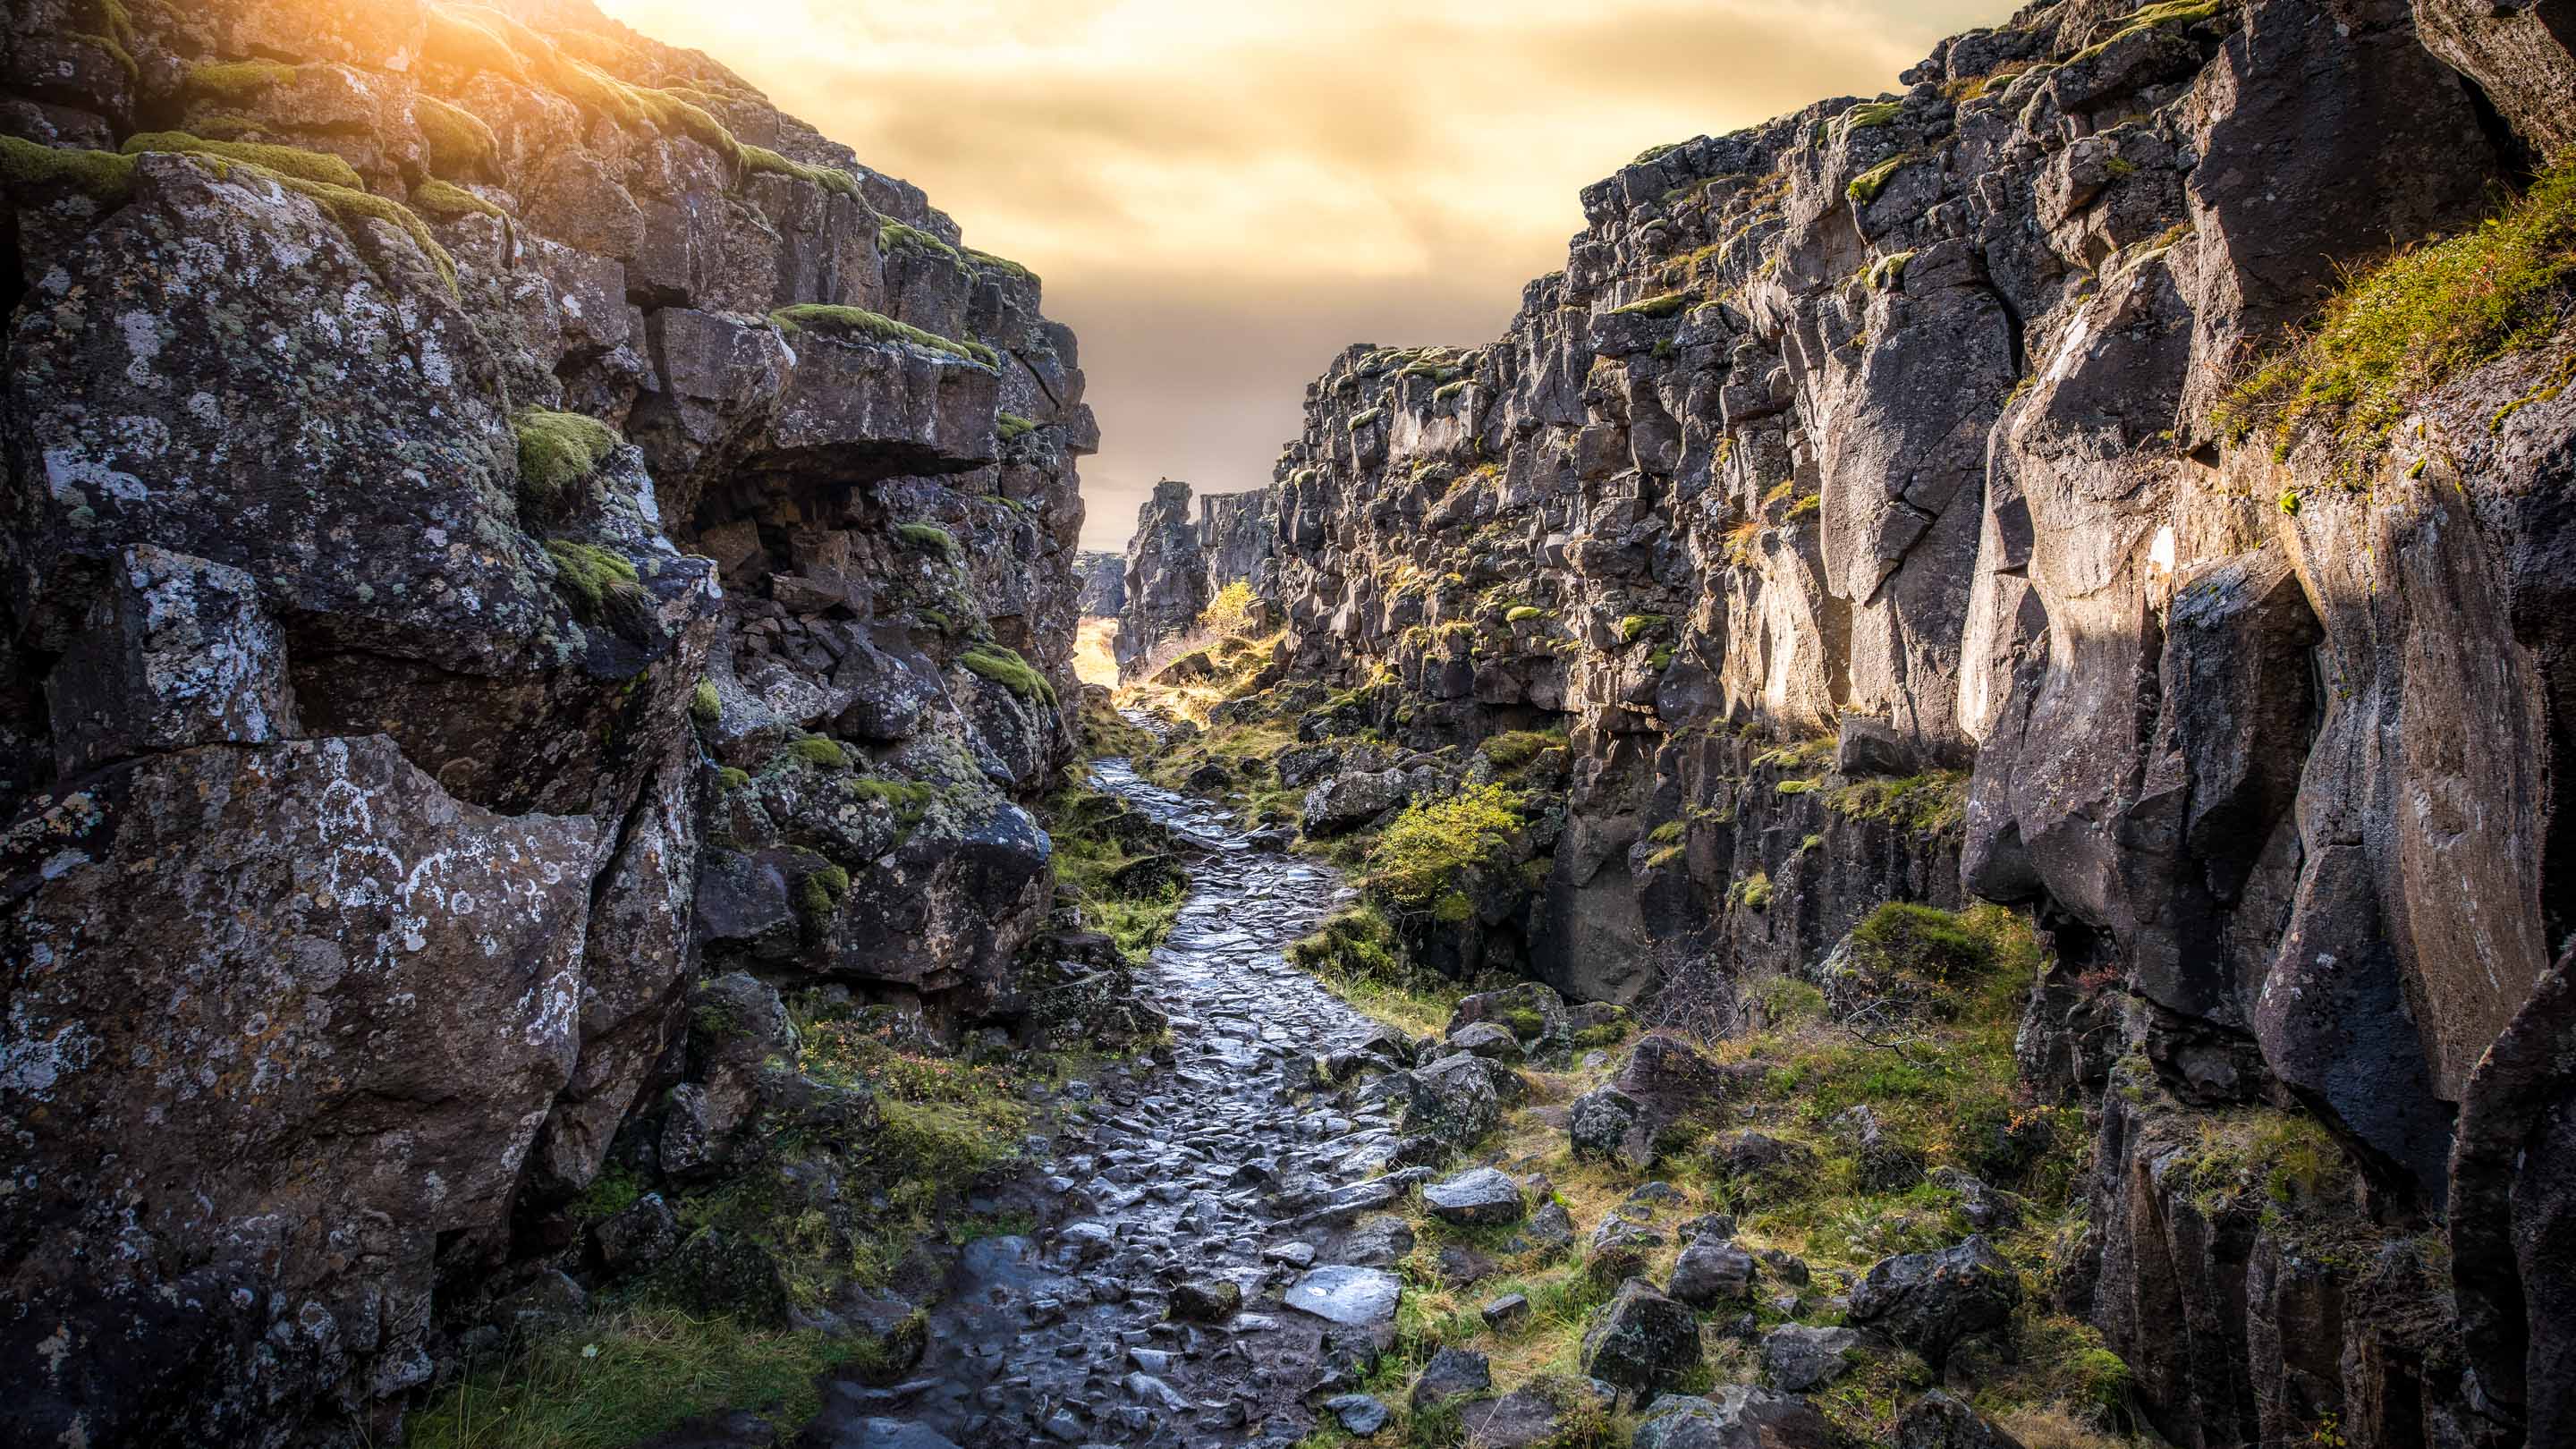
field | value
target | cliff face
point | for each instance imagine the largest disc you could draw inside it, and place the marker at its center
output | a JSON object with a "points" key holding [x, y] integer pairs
{"points": [[1175, 564], [501, 522], [1859, 498]]}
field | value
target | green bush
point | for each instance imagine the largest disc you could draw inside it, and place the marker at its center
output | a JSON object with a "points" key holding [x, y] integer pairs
{"points": [[438, 198], [1235, 611], [459, 143], [1924, 941], [234, 80], [1421, 857], [1667, 305]]}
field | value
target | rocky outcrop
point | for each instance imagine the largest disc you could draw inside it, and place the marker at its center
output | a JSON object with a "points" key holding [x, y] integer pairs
{"points": [[1175, 564], [1859, 501], [500, 521]]}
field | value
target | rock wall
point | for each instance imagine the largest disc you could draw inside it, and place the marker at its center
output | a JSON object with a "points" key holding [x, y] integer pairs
{"points": [[1862, 466], [1175, 564], [500, 521]]}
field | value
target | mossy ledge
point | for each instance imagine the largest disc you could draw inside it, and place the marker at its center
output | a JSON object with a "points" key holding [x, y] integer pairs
{"points": [[877, 327]]}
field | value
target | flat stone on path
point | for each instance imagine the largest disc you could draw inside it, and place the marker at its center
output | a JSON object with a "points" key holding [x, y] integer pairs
{"points": [[1483, 1197], [1351, 1297]]}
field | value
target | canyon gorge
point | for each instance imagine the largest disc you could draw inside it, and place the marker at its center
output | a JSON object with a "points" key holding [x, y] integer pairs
{"points": [[1925, 809]]}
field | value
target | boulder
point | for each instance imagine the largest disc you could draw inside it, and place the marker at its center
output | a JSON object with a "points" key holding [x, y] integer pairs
{"points": [[1206, 1300], [1736, 1417], [1352, 799], [1938, 1421], [1452, 1373], [1453, 1099], [1480, 1198], [1641, 1340], [1800, 1359], [1709, 1274], [1930, 1301]]}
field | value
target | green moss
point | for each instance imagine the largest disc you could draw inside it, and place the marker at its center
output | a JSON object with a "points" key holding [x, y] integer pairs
{"points": [[908, 800], [2290, 502], [820, 751], [760, 160], [438, 198], [2398, 330], [106, 177], [1889, 270], [603, 586], [1448, 390], [348, 208], [986, 261], [2138, 22], [1865, 187], [1655, 153], [1661, 659], [732, 779], [1006, 668], [1667, 305], [1523, 613], [609, 1194], [1453, 909], [705, 706], [1668, 833], [1012, 426], [1752, 892], [115, 36], [318, 167], [821, 893], [1872, 115], [459, 143], [1636, 626], [1517, 748], [894, 236], [843, 321], [233, 81], [556, 452], [928, 538], [1364, 417], [629, 1378]]}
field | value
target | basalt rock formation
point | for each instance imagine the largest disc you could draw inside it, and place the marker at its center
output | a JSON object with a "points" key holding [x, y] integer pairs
{"points": [[1175, 564], [1862, 502], [501, 523]]}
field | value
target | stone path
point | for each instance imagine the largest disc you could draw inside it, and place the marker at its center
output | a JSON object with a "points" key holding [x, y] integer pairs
{"points": [[1194, 1279]]}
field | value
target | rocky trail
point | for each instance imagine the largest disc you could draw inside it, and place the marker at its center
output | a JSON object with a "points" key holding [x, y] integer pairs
{"points": [[1187, 1288]]}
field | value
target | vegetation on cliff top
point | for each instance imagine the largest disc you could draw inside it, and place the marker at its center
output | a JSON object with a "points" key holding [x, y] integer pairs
{"points": [[875, 327], [2398, 330]]}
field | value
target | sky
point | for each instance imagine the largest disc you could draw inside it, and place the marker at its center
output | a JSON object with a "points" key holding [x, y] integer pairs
{"points": [[1222, 194]]}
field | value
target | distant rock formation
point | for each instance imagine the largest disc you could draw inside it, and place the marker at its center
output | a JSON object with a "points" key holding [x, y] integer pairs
{"points": [[1175, 564], [1104, 584]]}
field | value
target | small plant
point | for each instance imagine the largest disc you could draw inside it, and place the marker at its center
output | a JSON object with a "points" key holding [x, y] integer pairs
{"points": [[1012, 427], [822, 893], [705, 706], [1751, 893]]}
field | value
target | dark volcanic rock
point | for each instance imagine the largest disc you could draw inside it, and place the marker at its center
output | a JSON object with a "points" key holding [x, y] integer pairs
{"points": [[1930, 1301], [1641, 1339]]}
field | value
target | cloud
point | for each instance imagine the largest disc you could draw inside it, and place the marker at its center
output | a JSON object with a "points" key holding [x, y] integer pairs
{"points": [[1220, 196]]}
